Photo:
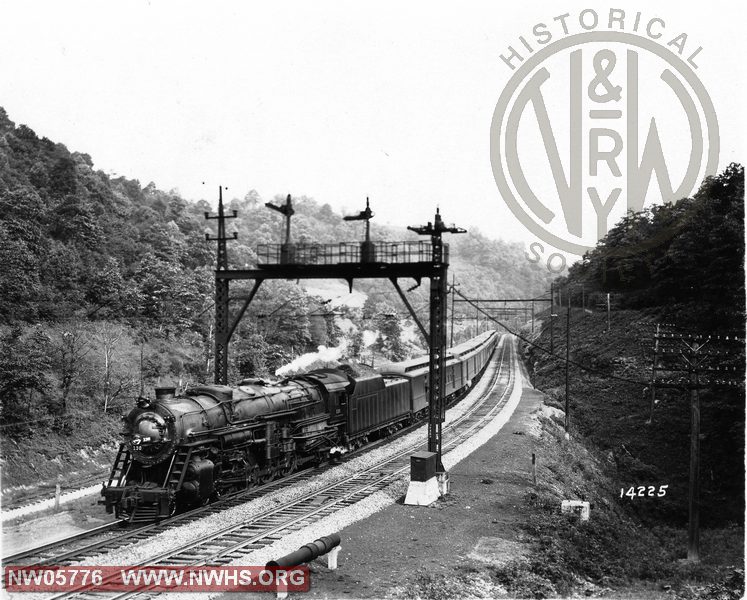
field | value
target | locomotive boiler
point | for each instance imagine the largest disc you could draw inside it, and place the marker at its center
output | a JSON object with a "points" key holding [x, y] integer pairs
{"points": [[185, 450]]}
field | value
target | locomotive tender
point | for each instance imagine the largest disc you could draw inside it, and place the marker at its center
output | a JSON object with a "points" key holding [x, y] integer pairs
{"points": [[182, 451]]}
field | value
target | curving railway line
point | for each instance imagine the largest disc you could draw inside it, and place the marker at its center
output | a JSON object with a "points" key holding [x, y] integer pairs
{"points": [[227, 544]]}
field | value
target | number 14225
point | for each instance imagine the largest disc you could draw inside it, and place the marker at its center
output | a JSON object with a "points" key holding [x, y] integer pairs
{"points": [[642, 491]]}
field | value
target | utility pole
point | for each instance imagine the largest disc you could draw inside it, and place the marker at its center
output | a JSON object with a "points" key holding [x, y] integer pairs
{"points": [[583, 298], [653, 375], [552, 321], [669, 372], [608, 312], [567, 363], [693, 527], [532, 316], [552, 333]]}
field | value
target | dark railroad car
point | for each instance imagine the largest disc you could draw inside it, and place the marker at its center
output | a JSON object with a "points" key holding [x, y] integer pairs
{"points": [[376, 402], [463, 363], [474, 354], [415, 371]]}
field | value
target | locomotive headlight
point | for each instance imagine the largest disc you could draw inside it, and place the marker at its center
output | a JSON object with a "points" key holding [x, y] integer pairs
{"points": [[148, 436], [149, 427]]}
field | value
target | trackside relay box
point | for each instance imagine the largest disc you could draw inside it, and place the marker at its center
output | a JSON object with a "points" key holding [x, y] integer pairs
{"points": [[422, 466]]}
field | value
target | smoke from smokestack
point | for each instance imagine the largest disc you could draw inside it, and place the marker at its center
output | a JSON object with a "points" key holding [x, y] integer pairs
{"points": [[323, 358]]}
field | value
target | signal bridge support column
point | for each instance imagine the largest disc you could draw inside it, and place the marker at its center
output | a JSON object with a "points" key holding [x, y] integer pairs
{"points": [[375, 260]]}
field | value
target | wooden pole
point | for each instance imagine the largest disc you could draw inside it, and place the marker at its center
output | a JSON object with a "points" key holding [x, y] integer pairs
{"points": [[532, 316], [608, 311], [552, 333], [552, 322], [653, 376], [693, 529], [583, 298], [567, 364]]}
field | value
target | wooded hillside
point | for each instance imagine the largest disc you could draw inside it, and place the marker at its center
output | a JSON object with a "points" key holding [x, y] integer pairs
{"points": [[107, 287]]}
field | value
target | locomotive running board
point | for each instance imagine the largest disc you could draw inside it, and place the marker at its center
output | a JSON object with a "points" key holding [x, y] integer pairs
{"points": [[311, 420], [314, 434]]}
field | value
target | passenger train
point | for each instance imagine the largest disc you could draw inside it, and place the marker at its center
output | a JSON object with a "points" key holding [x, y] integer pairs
{"points": [[180, 451]]}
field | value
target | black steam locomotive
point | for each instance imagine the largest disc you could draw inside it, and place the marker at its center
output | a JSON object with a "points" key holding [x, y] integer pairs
{"points": [[182, 451]]}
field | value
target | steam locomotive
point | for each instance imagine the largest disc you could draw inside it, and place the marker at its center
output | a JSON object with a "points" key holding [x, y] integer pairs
{"points": [[184, 451]]}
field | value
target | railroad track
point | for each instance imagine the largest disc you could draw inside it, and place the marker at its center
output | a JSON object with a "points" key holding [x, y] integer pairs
{"points": [[232, 542], [46, 493], [110, 536]]}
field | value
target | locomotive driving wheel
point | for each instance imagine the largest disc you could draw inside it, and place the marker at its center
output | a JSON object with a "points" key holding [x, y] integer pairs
{"points": [[252, 478], [289, 466], [268, 476]]}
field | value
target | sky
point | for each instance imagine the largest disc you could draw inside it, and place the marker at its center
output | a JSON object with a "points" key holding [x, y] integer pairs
{"points": [[333, 100]]}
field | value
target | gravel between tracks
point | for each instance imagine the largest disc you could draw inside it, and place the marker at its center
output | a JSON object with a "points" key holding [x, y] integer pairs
{"points": [[176, 537]]}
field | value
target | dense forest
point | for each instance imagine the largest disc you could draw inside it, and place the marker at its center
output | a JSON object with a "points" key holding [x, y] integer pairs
{"points": [[685, 259], [679, 265], [107, 288]]}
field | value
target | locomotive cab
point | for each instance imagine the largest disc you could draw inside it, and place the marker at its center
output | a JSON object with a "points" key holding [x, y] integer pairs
{"points": [[336, 387]]}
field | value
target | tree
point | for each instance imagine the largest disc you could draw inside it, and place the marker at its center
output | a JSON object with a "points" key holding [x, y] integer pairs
{"points": [[286, 322], [389, 341], [20, 287], [250, 356], [24, 362], [70, 346], [355, 343], [117, 376]]}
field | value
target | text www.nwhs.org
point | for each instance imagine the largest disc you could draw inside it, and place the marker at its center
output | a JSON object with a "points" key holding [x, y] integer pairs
{"points": [[156, 578]]}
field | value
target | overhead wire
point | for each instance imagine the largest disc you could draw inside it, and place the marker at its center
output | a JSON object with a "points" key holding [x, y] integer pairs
{"points": [[546, 351]]}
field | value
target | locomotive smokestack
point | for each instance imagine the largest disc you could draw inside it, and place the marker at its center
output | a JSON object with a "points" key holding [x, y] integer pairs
{"points": [[165, 393]]}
